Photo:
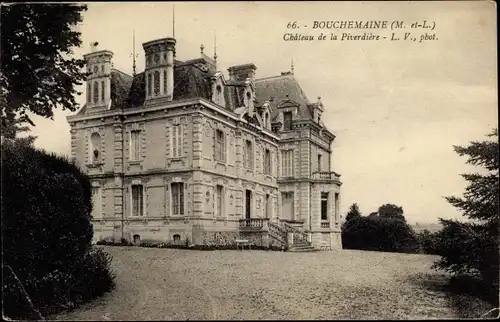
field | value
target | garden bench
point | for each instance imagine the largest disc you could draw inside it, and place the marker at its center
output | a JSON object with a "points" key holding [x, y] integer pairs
{"points": [[242, 242]]}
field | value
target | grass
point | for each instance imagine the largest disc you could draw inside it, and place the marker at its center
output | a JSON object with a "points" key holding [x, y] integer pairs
{"points": [[175, 284]]}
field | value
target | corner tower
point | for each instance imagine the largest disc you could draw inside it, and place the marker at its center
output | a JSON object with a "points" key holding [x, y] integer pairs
{"points": [[159, 71]]}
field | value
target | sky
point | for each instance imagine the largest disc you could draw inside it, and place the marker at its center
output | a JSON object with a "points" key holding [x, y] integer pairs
{"points": [[396, 107]]}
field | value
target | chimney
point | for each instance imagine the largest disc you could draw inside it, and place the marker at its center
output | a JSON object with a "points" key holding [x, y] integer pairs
{"points": [[99, 67], [159, 72], [242, 72]]}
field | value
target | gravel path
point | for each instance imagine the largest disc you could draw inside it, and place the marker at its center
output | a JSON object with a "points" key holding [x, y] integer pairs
{"points": [[170, 284]]}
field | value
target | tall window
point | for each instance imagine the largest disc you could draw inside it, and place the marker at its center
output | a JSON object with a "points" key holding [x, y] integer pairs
{"points": [[324, 206], [96, 202], [95, 147], [149, 84], [96, 92], [268, 205], [157, 82], [267, 162], [287, 121], [177, 141], [287, 163], [319, 162], [248, 155], [135, 145], [102, 91], [220, 146], [164, 82], [178, 198], [89, 93], [137, 201], [248, 204], [219, 197]]}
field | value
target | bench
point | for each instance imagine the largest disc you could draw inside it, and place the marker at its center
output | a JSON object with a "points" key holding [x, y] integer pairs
{"points": [[242, 242]]}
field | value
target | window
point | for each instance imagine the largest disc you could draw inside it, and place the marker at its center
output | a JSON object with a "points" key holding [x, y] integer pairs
{"points": [[96, 92], [95, 147], [319, 118], [149, 84], [248, 204], [267, 162], [248, 155], [177, 198], [287, 121], [319, 162], [287, 205], [156, 80], [102, 90], [219, 197], [96, 202], [135, 145], [268, 205], [102, 69], [89, 93], [177, 238], [324, 206], [137, 239], [337, 205], [220, 146], [164, 82], [287, 163], [176, 141], [137, 201]]}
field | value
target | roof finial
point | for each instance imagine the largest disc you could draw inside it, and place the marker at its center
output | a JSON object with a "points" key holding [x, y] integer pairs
{"points": [[201, 49], [134, 55], [215, 46], [291, 69], [173, 21]]}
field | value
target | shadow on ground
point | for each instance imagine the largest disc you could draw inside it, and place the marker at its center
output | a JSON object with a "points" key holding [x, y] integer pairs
{"points": [[465, 295]]}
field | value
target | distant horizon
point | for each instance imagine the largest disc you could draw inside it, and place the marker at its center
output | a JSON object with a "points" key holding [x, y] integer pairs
{"points": [[397, 109]]}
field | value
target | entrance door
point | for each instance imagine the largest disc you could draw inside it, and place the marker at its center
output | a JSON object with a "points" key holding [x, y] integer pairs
{"points": [[287, 205], [248, 204]]}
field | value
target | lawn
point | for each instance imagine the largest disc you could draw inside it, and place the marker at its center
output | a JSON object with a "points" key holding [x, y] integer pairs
{"points": [[175, 284]]}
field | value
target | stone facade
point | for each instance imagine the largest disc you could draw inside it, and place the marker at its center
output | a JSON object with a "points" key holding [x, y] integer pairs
{"points": [[188, 165]]}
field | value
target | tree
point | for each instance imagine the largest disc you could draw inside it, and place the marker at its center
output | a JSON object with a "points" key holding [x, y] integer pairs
{"points": [[353, 212], [391, 211], [37, 73], [471, 248]]}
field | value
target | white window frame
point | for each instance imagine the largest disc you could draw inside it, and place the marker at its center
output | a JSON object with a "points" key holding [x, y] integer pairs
{"points": [[287, 163], [182, 185], [135, 155], [143, 190], [220, 146], [176, 141]]}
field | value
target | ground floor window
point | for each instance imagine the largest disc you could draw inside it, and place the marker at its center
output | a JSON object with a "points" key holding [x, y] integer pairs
{"points": [[220, 201], [248, 204], [324, 206], [287, 205], [137, 200], [178, 198]]}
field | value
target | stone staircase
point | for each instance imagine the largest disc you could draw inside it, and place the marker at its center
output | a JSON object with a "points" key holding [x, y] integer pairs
{"points": [[280, 232]]}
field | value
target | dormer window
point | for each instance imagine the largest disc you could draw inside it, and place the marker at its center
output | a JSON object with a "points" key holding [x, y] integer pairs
{"points": [[287, 121]]}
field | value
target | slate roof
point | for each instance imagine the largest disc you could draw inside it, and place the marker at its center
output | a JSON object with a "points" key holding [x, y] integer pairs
{"points": [[280, 89], [191, 81]]}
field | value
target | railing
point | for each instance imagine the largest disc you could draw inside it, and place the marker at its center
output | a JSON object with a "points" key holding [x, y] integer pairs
{"points": [[254, 222], [298, 235], [325, 225], [326, 176], [278, 233]]}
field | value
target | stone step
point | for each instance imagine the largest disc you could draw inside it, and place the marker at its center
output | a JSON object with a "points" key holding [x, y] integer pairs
{"points": [[302, 249]]}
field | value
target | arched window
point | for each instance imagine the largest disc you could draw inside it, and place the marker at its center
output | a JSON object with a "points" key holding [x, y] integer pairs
{"points": [[96, 92], [89, 93], [165, 81], [149, 84], [157, 82], [137, 239], [102, 91], [95, 147]]}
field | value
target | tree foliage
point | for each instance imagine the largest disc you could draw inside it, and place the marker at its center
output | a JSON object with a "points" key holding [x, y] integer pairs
{"points": [[391, 211], [471, 248], [37, 72], [353, 212], [378, 234]]}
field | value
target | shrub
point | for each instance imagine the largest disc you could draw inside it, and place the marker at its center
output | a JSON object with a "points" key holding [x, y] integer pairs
{"points": [[378, 234], [46, 228]]}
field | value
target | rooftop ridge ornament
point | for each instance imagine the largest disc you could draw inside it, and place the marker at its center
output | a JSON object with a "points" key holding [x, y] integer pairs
{"points": [[201, 49], [291, 68], [93, 46], [215, 49], [134, 55]]}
